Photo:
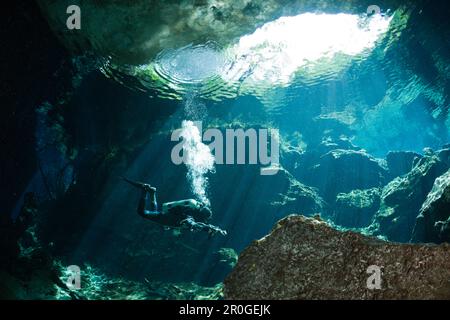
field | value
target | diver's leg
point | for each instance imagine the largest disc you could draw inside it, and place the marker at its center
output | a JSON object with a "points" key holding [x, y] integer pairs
{"points": [[143, 204], [195, 226], [153, 203]]}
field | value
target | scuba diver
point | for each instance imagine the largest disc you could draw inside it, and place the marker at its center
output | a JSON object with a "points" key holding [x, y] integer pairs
{"points": [[185, 214]]}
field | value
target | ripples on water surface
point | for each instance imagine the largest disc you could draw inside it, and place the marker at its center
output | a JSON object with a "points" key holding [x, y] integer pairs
{"points": [[281, 53], [361, 62]]}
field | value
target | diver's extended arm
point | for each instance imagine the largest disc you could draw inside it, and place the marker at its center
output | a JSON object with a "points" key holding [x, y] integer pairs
{"points": [[193, 225]]}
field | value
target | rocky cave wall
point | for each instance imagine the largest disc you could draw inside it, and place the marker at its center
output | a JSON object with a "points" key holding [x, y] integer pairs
{"points": [[136, 34]]}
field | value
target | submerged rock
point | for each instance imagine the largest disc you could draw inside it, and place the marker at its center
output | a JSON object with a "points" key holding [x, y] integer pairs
{"points": [[402, 199], [98, 286], [228, 256], [444, 155], [304, 258], [433, 222], [297, 196], [401, 162], [342, 170], [357, 208], [27, 270]]}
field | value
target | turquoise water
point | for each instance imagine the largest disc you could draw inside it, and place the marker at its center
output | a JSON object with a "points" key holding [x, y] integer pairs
{"points": [[358, 105], [386, 94]]}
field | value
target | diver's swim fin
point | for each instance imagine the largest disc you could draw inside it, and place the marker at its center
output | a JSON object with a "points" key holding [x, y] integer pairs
{"points": [[136, 184]]}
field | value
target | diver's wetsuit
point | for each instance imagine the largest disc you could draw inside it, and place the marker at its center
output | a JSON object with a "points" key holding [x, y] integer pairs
{"points": [[142, 211], [189, 214]]}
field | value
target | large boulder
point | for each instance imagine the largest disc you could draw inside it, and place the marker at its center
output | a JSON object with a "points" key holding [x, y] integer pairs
{"points": [[433, 222], [403, 197], [304, 258], [356, 208]]}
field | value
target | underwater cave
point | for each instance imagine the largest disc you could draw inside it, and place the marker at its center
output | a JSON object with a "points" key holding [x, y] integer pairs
{"points": [[215, 149]]}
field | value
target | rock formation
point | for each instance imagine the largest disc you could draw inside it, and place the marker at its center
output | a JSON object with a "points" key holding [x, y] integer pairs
{"points": [[403, 197], [433, 222], [136, 33], [356, 208], [401, 162], [305, 258], [343, 171], [27, 270]]}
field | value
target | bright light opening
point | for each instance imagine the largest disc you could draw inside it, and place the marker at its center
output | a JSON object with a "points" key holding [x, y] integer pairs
{"points": [[277, 50], [308, 47]]}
